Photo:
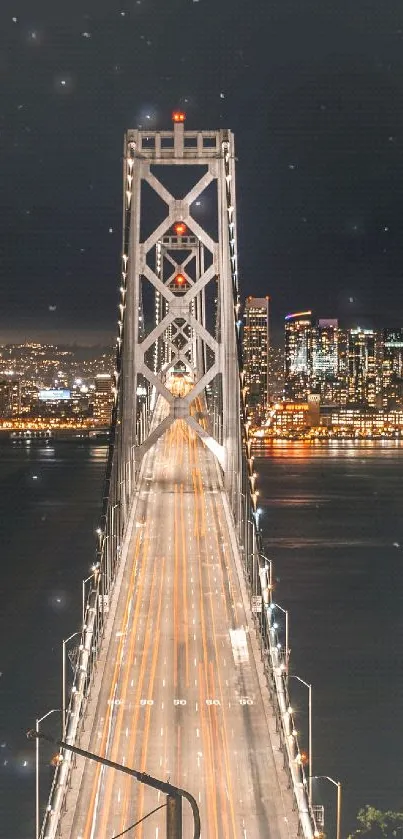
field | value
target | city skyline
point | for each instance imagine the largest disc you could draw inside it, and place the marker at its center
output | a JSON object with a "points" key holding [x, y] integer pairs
{"points": [[105, 336]]}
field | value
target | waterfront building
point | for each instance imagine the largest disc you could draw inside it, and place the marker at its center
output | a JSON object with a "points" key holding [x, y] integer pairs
{"points": [[287, 418], [298, 356], [392, 368], [255, 353], [354, 422]]}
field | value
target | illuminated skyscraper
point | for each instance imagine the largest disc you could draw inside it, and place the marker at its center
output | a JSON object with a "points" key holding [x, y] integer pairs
{"points": [[362, 367], [298, 355], [342, 370], [392, 367], [10, 398], [325, 359], [324, 347], [102, 399], [255, 352]]}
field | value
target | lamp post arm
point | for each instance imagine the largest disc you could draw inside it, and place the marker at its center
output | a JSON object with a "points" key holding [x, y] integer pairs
{"points": [[142, 777]]}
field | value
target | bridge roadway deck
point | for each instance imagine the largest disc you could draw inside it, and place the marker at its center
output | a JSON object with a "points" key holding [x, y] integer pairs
{"points": [[180, 696]]}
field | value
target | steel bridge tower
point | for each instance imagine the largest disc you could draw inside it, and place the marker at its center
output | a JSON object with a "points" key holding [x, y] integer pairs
{"points": [[179, 295]]}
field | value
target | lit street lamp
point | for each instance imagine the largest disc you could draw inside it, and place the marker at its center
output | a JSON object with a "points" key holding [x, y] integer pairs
{"points": [[285, 612], [37, 801], [269, 562], [95, 572], [307, 685], [64, 644], [257, 513], [338, 785]]}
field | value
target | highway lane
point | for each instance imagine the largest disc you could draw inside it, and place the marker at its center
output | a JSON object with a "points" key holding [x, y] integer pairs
{"points": [[180, 697]]}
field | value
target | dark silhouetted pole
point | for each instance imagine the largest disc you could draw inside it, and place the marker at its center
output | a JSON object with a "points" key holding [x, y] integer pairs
{"points": [[169, 790], [174, 817]]}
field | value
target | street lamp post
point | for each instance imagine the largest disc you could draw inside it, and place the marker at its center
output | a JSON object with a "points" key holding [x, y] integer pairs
{"points": [[37, 791], [338, 785], [242, 510], [107, 563], [174, 794], [257, 513], [64, 644], [285, 612], [269, 562], [114, 539], [307, 685], [95, 572], [84, 583]]}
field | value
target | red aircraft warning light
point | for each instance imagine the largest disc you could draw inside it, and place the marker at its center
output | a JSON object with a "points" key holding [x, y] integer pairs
{"points": [[180, 280], [180, 228], [178, 116]]}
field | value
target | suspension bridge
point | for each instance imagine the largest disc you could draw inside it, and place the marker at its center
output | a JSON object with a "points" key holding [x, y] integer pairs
{"points": [[181, 668]]}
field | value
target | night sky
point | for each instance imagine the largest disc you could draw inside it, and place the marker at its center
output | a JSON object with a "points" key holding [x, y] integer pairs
{"points": [[313, 90]]}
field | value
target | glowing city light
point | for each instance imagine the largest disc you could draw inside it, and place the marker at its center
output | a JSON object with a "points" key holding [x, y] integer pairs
{"points": [[297, 315]]}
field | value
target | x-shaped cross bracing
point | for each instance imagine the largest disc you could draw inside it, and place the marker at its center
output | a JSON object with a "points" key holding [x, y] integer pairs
{"points": [[179, 307]]}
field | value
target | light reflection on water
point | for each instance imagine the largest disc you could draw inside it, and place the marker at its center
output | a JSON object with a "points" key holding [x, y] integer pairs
{"points": [[332, 448], [47, 541], [97, 453], [332, 523]]}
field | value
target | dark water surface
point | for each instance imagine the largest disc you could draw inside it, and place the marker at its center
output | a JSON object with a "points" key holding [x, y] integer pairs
{"points": [[333, 525], [47, 543]]}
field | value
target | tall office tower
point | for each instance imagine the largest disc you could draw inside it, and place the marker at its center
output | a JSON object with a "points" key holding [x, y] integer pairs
{"points": [[10, 398], [362, 367], [325, 359], [255, 353], [102, 399], [298, 356], [392, 368], [342, 367]]}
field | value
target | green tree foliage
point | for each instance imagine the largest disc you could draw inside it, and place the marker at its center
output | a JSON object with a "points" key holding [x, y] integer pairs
{"points": [[376, 824]]}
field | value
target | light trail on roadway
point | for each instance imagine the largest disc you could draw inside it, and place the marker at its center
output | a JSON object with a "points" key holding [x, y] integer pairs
{"points": [[180, 696]]}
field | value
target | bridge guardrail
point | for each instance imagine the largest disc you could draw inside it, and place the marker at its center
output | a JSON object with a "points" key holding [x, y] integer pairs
{"points": [[79, 695], [275, 662], [113, 526]]}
